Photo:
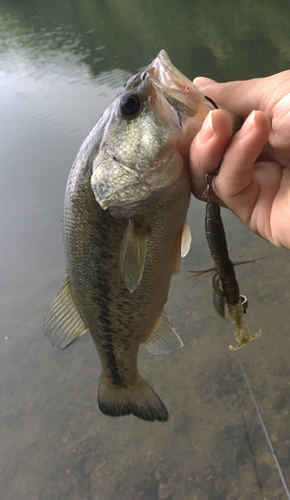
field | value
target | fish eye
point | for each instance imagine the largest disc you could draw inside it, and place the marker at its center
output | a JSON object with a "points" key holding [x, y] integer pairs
{"points": [[130, 104]]}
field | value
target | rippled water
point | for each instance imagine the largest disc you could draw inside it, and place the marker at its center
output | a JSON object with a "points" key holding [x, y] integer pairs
{"points": [[60, 66]]}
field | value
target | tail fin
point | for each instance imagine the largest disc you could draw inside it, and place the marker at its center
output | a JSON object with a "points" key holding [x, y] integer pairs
{"points": [[139, 400]]}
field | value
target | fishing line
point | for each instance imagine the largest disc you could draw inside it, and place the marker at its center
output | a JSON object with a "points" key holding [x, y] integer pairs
{"points": [[263, 425]]}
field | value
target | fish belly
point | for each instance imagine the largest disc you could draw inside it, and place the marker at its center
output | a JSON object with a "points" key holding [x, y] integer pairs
{"points": [[119, 321]]}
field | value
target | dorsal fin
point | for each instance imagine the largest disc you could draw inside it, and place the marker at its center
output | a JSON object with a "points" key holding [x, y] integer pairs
{"points": [[133, 254], [63, 324], [164, 338]]}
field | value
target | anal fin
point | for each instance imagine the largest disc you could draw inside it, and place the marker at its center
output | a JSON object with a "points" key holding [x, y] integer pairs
{"points": [[63, 324], [164, 338]]}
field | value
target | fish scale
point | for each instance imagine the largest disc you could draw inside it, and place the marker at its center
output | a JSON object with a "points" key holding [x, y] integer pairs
{"points": [[108, 294], [125, 231]]}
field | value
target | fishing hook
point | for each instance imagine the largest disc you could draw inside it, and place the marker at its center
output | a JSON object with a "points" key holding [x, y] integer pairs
{"points": [[212, 102], [209, 188], [244, 302]]}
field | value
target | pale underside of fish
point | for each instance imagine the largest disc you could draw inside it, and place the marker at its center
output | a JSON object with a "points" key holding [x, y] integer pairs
{"points": [[125, 230]]}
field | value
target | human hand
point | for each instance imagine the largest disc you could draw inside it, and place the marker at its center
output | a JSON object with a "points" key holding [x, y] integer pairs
{"points": [[254, 176]]}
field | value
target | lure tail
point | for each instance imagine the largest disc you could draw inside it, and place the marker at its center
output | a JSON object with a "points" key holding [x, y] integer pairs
{"points": [[140, 400]]}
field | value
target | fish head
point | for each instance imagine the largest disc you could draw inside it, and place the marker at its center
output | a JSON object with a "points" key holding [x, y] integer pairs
{"points": [[145, 139]]}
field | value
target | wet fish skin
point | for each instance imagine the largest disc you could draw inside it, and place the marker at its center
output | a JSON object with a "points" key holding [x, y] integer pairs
{"points": [[93, 241], [94, 290], [125, 231]]}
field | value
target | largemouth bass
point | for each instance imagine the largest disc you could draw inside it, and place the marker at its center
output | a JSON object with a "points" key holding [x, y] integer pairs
{"points": [[125, 230]]}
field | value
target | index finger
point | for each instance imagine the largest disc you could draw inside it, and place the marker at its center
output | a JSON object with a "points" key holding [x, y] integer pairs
{"points": [[243, 96]]}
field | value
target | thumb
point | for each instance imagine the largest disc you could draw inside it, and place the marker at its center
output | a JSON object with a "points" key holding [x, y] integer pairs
{"points": [[202, 82]]}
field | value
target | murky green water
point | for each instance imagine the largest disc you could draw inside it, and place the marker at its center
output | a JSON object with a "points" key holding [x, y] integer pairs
{"points": [[61, 63]]}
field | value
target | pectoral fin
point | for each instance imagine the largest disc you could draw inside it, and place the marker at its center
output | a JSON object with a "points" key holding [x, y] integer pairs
{"points": [[63, 324], [186, 240], [133, 254], [164, 338]]}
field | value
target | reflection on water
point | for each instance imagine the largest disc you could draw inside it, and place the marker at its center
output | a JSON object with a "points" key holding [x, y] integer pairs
{"points": [[58, 73]]}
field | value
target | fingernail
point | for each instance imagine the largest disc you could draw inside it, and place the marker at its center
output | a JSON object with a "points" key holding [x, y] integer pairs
{"points": [[202, 82], [252, 119], [207, 131], [249, 124]]}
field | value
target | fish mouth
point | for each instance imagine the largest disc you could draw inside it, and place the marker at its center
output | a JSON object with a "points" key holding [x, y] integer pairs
{"points": [[179, 91]]}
